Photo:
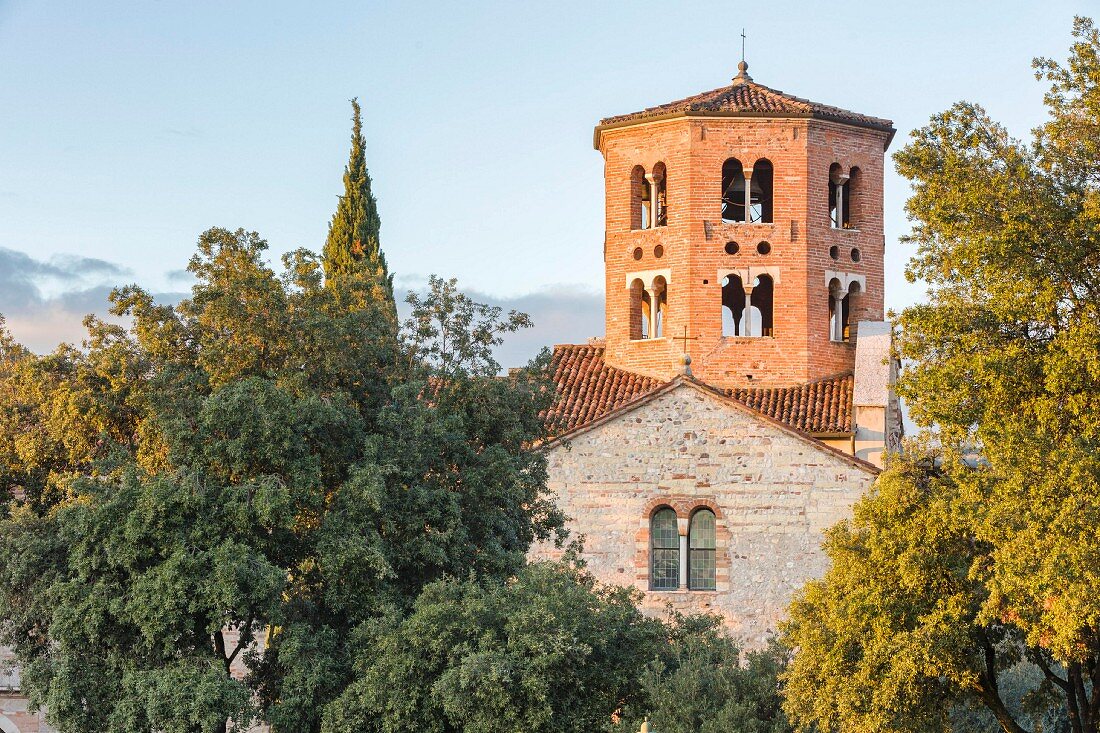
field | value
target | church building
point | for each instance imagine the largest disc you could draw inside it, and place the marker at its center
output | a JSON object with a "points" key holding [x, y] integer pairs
{"points": [[741, 400]]}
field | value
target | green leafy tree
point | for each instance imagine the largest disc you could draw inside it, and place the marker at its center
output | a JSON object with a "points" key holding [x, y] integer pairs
{"points": [[1005, 371], [893, 638], [550, 650], [700, 681], [450, 489], [352, 247], [266, 460]]}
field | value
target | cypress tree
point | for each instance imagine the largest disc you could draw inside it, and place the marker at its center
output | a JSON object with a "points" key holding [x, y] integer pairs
{"points": [[352, 248]]}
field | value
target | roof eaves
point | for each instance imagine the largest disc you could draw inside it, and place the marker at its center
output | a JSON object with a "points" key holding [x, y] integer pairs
{"points": [[642, 119], [612, 414]]}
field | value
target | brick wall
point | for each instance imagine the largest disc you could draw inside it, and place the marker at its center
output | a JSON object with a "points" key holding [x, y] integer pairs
{"points": [[692, 245], [773, 494]]}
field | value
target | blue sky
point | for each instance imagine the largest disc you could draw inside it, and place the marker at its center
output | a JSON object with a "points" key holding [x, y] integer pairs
{"points": [[127, 128]]}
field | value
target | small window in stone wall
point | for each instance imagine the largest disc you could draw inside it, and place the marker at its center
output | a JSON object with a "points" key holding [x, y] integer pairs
{"points": [[664, 539], [701, 554]]}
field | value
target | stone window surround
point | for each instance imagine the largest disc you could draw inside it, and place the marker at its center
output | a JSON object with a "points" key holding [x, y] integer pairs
{"points": [[684, 506]]}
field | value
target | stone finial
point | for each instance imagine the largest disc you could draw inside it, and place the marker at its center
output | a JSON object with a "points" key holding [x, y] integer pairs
{"points": [[645, 723], [685, 365], [742, 73]]}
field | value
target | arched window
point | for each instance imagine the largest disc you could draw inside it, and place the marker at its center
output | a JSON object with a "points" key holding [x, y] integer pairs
{"points": [[762, 300], [658, 308], [660, 195], [639, 199], [839, 197], [733, 305], [701, 552], [733, 191], [841, 305], [664, 542], [637, 316], [835, 310], [761, 188], [853, 204], [850, 301]]}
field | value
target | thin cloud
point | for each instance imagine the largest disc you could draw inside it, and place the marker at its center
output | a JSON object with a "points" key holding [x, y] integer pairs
{"points": [[44, 301], [181, 276], [561, 314]]}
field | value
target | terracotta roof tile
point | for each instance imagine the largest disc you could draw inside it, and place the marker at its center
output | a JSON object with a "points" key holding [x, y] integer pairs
{"points": [[751, 99], [588, 388], [823, 406]]}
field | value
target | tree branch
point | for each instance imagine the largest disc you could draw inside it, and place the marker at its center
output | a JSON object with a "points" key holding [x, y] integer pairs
{"points": [[1094, 701], [987, 689], [1071, 702], [242, 641], [1041, 662]]}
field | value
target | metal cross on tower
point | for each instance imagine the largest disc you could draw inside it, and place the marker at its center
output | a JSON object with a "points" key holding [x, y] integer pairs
{"points": [[685, 338]]}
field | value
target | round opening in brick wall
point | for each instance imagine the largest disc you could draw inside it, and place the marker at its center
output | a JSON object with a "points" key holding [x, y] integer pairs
{"points": [[834, 252], [637, 253], [732, 248], [763, 248], [856, 254], [659, 251]]}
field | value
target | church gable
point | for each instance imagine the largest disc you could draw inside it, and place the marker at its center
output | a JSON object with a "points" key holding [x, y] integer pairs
{"points": [[772, 492], [588, 389]]}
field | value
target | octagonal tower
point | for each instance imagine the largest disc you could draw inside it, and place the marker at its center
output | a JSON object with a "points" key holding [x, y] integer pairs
{"points": [[743, 227]]}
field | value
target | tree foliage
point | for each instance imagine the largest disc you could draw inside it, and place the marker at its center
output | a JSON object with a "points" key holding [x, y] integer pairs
{"points": [[266, 461], [701, 681], [949, 576], [353, 245], [547, 651], [893, 638]]}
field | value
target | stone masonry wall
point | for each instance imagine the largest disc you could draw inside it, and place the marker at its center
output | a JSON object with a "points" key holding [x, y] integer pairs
{"points": [[773, 494]]}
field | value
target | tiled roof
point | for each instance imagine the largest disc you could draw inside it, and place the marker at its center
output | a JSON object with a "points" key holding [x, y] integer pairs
{"points": [[824, 406], [588, 388], [746, 97]]}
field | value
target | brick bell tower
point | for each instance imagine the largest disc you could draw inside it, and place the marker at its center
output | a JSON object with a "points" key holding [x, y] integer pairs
{"points": [[744, 228]]}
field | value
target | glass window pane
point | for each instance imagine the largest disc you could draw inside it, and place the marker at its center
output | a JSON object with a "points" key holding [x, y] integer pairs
{"points": [[665, 551], [666, 570], [701, 534], [701, 570], [663, 529], [701, 557]]}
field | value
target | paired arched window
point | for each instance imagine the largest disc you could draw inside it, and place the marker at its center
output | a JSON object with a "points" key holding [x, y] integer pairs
{"points": [[844, 197], [648, 197], [665, 546], [702, 546], [747, 194], [664, 554], [648, 308], [748, 311], [841, 305]]}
